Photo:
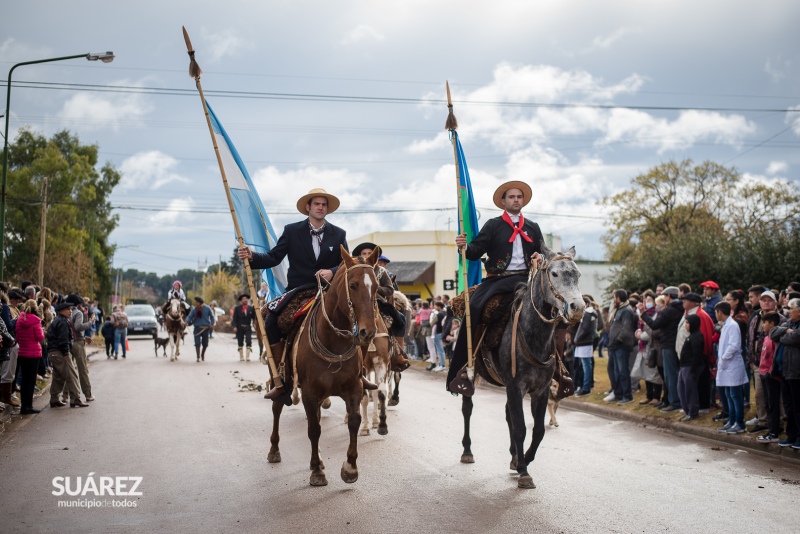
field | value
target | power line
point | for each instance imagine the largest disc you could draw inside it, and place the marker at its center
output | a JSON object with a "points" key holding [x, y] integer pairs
{"points": [[259, 95]]}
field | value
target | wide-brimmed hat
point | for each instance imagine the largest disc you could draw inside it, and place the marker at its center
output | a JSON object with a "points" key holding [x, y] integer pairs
{"points": [[243, 295], [333, 202], [362, 246], [75, 299], [60, 306], [15, 293], [513, 184]]}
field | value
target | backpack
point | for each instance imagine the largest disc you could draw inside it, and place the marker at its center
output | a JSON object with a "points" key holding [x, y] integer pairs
{"points": [[120, 322]]}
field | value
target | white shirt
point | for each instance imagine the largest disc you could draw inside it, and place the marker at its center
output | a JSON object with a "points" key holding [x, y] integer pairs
{"points": [[730, 365], [517, 256], [316, 240]]}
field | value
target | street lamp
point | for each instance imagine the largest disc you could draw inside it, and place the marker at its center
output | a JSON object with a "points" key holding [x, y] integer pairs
{"points": [[105, 57]]}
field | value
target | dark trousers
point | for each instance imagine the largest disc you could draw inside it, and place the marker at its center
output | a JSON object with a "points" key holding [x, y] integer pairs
{"points": [[772, 396], [687, 391], [109, 346], [621, 356], [653, 390], [790, 391], [664, 393], [244, 336], [704, 388], [28, 367], [612, 373]]}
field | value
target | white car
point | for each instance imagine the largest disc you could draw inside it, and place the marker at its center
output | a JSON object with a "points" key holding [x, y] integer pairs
{"points": [[142, 320]]}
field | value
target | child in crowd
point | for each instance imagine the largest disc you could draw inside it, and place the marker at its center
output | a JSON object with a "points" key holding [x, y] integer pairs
{"points": [[107, 331], [770, 379]]}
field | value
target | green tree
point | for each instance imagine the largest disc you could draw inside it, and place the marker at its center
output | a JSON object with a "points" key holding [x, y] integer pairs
{"points": [[79, 216], [681, 222]]}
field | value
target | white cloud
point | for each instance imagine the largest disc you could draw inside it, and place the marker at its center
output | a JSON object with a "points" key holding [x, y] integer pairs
{"points": [[362, 33], [602, 42], [776, 167], [178, 208], [94, 111], [149, 170], [13, 51], [777, 68], [223, 43]]}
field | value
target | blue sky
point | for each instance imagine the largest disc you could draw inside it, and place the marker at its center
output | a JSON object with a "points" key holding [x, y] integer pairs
{"points": [[724, 71]]}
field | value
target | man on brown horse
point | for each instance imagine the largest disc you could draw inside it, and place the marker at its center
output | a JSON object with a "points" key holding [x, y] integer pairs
{"points": [[386, 290], [510, 243], [312, 246]]}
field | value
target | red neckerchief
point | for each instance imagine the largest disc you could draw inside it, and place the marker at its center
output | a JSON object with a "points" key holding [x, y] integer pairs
{"points": [[517, 229], [244, 309]]}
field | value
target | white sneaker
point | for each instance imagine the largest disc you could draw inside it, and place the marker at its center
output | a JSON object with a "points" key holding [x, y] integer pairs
{"points": [[751, 422], [438, 368], [610, 397]]}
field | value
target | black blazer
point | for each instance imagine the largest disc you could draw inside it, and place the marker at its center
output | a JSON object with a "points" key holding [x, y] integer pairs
{"points": [[242, 320], [295, 242], [492, 240]]}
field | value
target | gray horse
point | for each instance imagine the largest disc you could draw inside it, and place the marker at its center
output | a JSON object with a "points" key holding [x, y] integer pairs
{"points": [[525, 360]]}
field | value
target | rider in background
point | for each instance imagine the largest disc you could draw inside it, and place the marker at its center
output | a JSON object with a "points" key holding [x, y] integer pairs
{"points": [[177, 293]]}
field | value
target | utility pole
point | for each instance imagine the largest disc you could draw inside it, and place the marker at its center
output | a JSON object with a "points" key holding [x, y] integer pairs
{"points": [[43, 231]]}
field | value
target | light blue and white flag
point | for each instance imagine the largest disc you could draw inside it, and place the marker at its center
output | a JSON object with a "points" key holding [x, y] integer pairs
{"points": [[253, 220]]}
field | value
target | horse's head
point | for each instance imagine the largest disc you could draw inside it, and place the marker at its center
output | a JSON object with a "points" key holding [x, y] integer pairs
{"points": [[357, 288], [174, 309], [563, 276]]}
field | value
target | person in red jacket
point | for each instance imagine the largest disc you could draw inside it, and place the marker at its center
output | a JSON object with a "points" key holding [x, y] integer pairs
{"points": [[29, 338]]}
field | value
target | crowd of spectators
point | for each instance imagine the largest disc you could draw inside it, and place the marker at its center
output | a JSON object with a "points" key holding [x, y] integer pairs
{"points": [[44, 334], [699, 352], [431, 333]]}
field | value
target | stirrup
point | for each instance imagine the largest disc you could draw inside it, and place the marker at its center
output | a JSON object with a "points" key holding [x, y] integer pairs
{"points": [[462, 384]]}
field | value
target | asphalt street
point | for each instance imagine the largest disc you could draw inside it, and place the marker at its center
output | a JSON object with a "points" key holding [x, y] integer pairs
{"points": [[200, 443]]}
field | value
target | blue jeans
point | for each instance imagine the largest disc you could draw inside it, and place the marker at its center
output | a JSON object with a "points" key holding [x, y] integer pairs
{"points": [[588, 373], [437, 342], [735, 404], [620, 357], [119, 338], [671, 368]]}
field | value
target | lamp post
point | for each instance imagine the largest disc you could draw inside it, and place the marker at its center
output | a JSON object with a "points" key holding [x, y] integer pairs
{"points": [[105, 57]]}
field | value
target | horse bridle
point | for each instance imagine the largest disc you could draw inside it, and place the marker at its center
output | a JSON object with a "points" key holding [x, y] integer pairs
{"points": [[353, 333], [560, 315]]}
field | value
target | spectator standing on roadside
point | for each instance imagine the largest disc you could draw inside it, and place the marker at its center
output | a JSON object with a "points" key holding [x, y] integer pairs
{"points": [[80, 322], [120, 321], [29, 337], [787, 358], [107, 331], [621, 341], [65, 374], [711, 296], [731, 374], [753, 350], [771, 380], [691, 306], [584, 347], [692, 360], [667, 325]]}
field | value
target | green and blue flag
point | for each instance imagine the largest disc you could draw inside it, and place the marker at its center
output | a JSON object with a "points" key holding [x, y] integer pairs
{"points": [[469, 215]]}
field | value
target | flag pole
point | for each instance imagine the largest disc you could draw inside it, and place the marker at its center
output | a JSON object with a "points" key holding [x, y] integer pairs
{"points": [[451, 125], [195, 72]]}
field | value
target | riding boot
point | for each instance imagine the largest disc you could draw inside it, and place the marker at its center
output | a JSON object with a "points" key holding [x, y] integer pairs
{"points": [[241, 354], [248, 354], [203, 354], [284, 393], [399, 361], [197, 350], [367, 384], [5, 395]]}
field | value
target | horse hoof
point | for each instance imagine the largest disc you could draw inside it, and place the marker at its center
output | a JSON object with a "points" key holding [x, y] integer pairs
{"points": [[326, 403], [364, 432], [467, 459], [526, 482], [375, 424], [274, 457], [383, 430], [349, 474], [319, 480], [513, 464], [394, 402]]}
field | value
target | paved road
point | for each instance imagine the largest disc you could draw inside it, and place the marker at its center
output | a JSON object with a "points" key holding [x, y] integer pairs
{"points": [[200, 445]]}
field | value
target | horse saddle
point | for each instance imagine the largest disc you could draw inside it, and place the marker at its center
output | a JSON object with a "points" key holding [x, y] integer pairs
{"points": [[295, 310]]}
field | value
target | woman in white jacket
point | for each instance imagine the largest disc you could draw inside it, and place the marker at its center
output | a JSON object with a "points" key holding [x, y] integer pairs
{"points": [[731, 374]]}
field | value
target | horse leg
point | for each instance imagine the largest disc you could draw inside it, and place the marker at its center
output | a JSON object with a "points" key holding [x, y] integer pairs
{"points": [[538, 409], [274, 455], [395, 400], [349, 467], [466, 411], [364, 414], [380, 403], [314, 431], [512, 448], [171, 347], [517, 416]]}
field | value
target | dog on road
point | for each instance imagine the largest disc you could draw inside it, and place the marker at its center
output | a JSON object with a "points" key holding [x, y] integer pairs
{"points": [[161, 342]]}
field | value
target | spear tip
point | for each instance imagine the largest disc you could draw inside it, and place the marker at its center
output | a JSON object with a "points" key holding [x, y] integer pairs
{"points": [[451, 123]]}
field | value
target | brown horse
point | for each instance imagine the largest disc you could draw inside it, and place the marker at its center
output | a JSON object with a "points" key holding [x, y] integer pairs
{"points": [[174, 315], [326, 358]]}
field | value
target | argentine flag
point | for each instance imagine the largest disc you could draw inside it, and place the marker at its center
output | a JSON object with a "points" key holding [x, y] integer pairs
{"points": [[254, 223]]}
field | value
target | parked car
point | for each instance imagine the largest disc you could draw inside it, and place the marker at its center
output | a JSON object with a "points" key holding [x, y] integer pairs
{"points": [[142, 320]]}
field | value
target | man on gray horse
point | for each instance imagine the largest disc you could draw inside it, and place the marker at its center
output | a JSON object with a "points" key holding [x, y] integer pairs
{"points": [[511, 243], [312, 246]]}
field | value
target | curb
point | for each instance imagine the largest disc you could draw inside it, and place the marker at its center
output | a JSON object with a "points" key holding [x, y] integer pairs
{"points": [[737, 440]]}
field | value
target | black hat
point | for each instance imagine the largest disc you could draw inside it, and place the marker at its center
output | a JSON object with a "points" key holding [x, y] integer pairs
{"points": [[692, 297], [362, 246], [243, 295], [16, 294], [75, 299], [200, 300], [60, 306]]}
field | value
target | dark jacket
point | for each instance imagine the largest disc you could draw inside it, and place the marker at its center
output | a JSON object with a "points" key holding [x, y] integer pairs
{"points": [[622, 329], [107, 331], [586, 329], [493, 238], [59, 335], [791, 348], [667, 323], [241, 319], [295, 242], [693, 350]]}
